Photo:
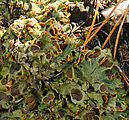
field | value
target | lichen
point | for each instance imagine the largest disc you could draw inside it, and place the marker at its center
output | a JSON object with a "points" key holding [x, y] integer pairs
{"points": [[44, 75]]}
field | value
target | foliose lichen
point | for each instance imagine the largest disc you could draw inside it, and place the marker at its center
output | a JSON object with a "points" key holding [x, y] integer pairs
{"points": [[43, 74]]}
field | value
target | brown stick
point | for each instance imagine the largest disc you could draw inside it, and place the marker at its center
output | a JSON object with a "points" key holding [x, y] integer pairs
{"points": [[103, 23], [96, 11], [123, 74], [118, 34], [105, 42]]}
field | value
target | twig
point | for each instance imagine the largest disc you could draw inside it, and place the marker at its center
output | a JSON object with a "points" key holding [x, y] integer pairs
{"points": [[96, 11], [77, 27], [87, 28], [112, 30], [123, 74], [118, 34], [103, 23]]}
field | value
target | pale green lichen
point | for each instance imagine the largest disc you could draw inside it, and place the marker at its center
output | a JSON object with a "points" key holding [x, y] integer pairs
{"points": [[44, 75]]}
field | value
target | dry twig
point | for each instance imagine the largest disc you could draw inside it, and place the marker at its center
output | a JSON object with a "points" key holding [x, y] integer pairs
{"points": [[118, 34], [103, 23]]}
